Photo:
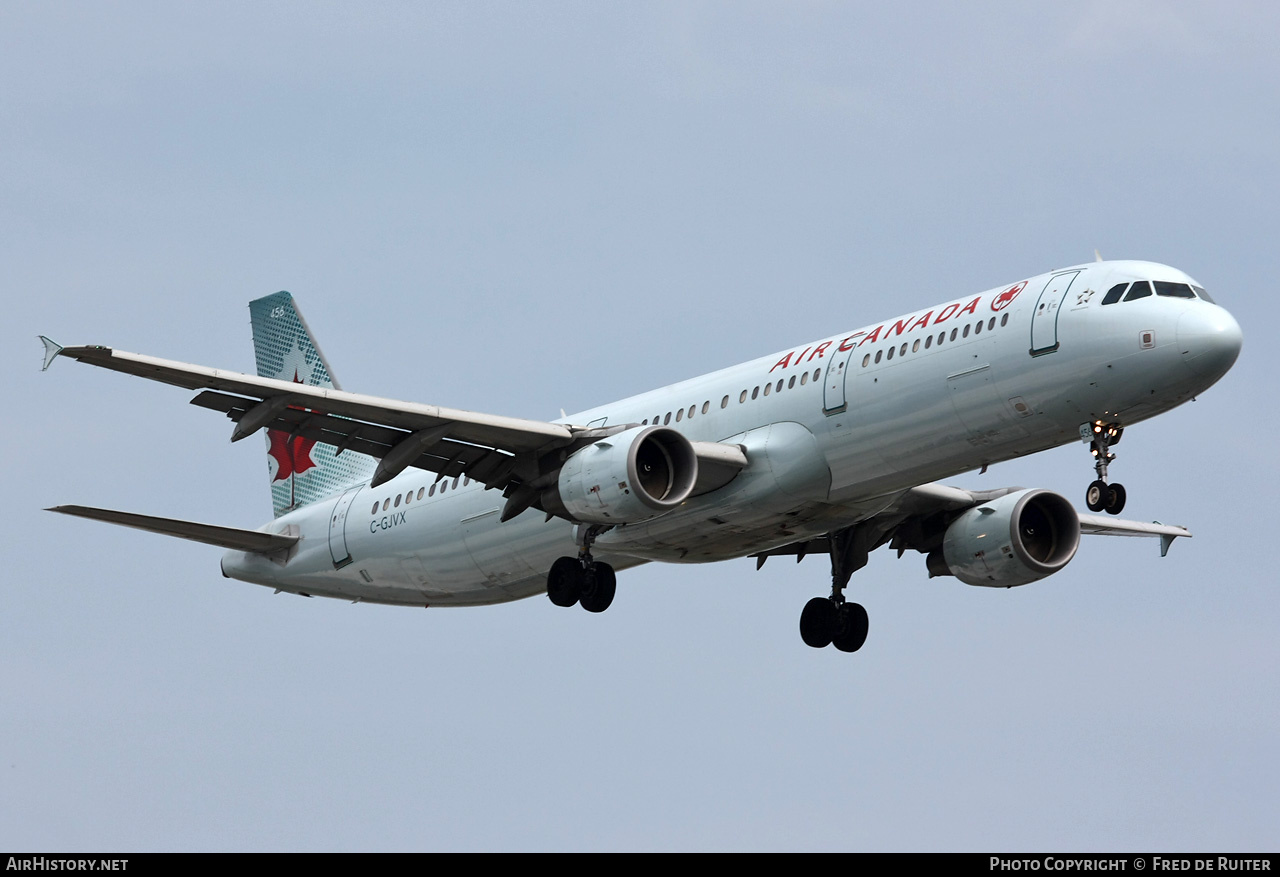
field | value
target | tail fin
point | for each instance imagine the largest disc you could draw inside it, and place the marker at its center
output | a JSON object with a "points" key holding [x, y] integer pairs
{"points": [[302, 471]]}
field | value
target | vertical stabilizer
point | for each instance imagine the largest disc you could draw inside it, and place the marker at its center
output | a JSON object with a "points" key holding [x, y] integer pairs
{"points": [[302, 471]]}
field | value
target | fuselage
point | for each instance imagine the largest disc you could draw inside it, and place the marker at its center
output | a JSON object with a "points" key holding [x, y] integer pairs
{"points": [[834, 430]]}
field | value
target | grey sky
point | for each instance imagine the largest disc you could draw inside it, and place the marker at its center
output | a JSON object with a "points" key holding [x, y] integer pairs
{"points": [[516, 208]]}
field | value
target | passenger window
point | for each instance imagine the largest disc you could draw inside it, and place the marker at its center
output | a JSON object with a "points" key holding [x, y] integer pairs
{"points": [[804, 379], [667, 419], [755, 392], [455, 484], [892, 351], [928, 342], [778, 389], [1114, 293], [966, 331], [768, 388], [879, 353], [1004, 320], [397, 505], [743, 397], [466, 481], [375, 509], [915, 346], [1141, 289], [791, 384], [644, 422], [680, 415], [386, 504], [955, 332], [724, 403], [977, 329], [866, 360], [421, 492], [432, 491], [817, 373], [1173, 290], [706, 406], [991, 324]]}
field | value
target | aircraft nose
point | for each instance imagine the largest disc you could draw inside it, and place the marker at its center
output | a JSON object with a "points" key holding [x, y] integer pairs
{"points": [[1209, 339]]}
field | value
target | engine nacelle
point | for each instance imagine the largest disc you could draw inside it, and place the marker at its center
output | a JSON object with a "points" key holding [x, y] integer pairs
{"points": [[1016, 539], [633, 476]]}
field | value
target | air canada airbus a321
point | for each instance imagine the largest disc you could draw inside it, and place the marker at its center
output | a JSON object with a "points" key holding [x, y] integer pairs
{"points": [[833, 447]]}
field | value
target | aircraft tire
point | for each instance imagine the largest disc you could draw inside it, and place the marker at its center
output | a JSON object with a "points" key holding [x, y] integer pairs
{"points": [[851, 626], [1115, 499], [599, 586], [1095, 497], [564, 582], [818, 622]]}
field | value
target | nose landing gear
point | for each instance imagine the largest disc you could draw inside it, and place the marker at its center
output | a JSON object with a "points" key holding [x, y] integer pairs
{"points": [[1101, 496]]}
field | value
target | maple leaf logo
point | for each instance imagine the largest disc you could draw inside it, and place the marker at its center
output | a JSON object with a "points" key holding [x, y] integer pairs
{"points": [[292, 455], [1004, 299]]}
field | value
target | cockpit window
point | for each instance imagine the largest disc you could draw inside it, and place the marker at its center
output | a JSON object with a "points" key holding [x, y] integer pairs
{"points": [[1204, 295], [1174, 290], [1113, 294], [1141, 289]]}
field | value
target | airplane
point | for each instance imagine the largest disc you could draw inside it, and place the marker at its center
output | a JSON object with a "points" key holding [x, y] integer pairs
{"points": [[835, 447]]}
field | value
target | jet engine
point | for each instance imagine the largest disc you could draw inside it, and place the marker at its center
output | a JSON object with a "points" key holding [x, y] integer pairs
{"points": [[633, 476], [1015, 539]]}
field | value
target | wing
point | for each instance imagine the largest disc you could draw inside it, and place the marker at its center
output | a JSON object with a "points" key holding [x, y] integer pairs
{"points": [[918, 518], [1099, 525], [514, 455]]}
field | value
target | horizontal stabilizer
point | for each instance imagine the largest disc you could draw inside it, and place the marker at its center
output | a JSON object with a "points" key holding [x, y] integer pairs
{"points": [[252, 541]]}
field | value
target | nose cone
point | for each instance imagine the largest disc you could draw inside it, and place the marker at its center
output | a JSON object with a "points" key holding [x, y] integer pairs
{"points": [[1209, 340]]}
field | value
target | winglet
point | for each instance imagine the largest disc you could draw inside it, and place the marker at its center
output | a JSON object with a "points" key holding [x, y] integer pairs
{"points": [[1166, 539], [51, 349]]}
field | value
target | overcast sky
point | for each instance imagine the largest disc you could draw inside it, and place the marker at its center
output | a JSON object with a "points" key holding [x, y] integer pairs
{"points": [[517, 208]]}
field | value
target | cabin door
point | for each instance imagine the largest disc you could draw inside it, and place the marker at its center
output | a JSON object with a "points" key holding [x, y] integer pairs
{"points": [[338, 529], [1044, 322], [833, 391]]}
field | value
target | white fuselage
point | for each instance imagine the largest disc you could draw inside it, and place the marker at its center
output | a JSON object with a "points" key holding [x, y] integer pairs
{"points": [[833, 430]]}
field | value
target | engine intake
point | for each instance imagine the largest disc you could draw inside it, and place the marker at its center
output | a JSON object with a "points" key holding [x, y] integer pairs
{"points": [[1016, 539], [633, 476]]}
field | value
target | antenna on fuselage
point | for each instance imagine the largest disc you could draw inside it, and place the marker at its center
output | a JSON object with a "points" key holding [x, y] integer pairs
{"points": [[1097, 255]]}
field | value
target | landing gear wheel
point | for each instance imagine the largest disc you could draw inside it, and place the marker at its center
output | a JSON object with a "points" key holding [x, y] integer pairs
{"points": [[851, 627], [1115, 499], [1096, 496], [564, 582], [598, 587], [818, 622]]}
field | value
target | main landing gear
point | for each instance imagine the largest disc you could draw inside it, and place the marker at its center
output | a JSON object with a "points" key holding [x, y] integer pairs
{"points": [[1102, 496], [830, 621], [582, 579]]}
